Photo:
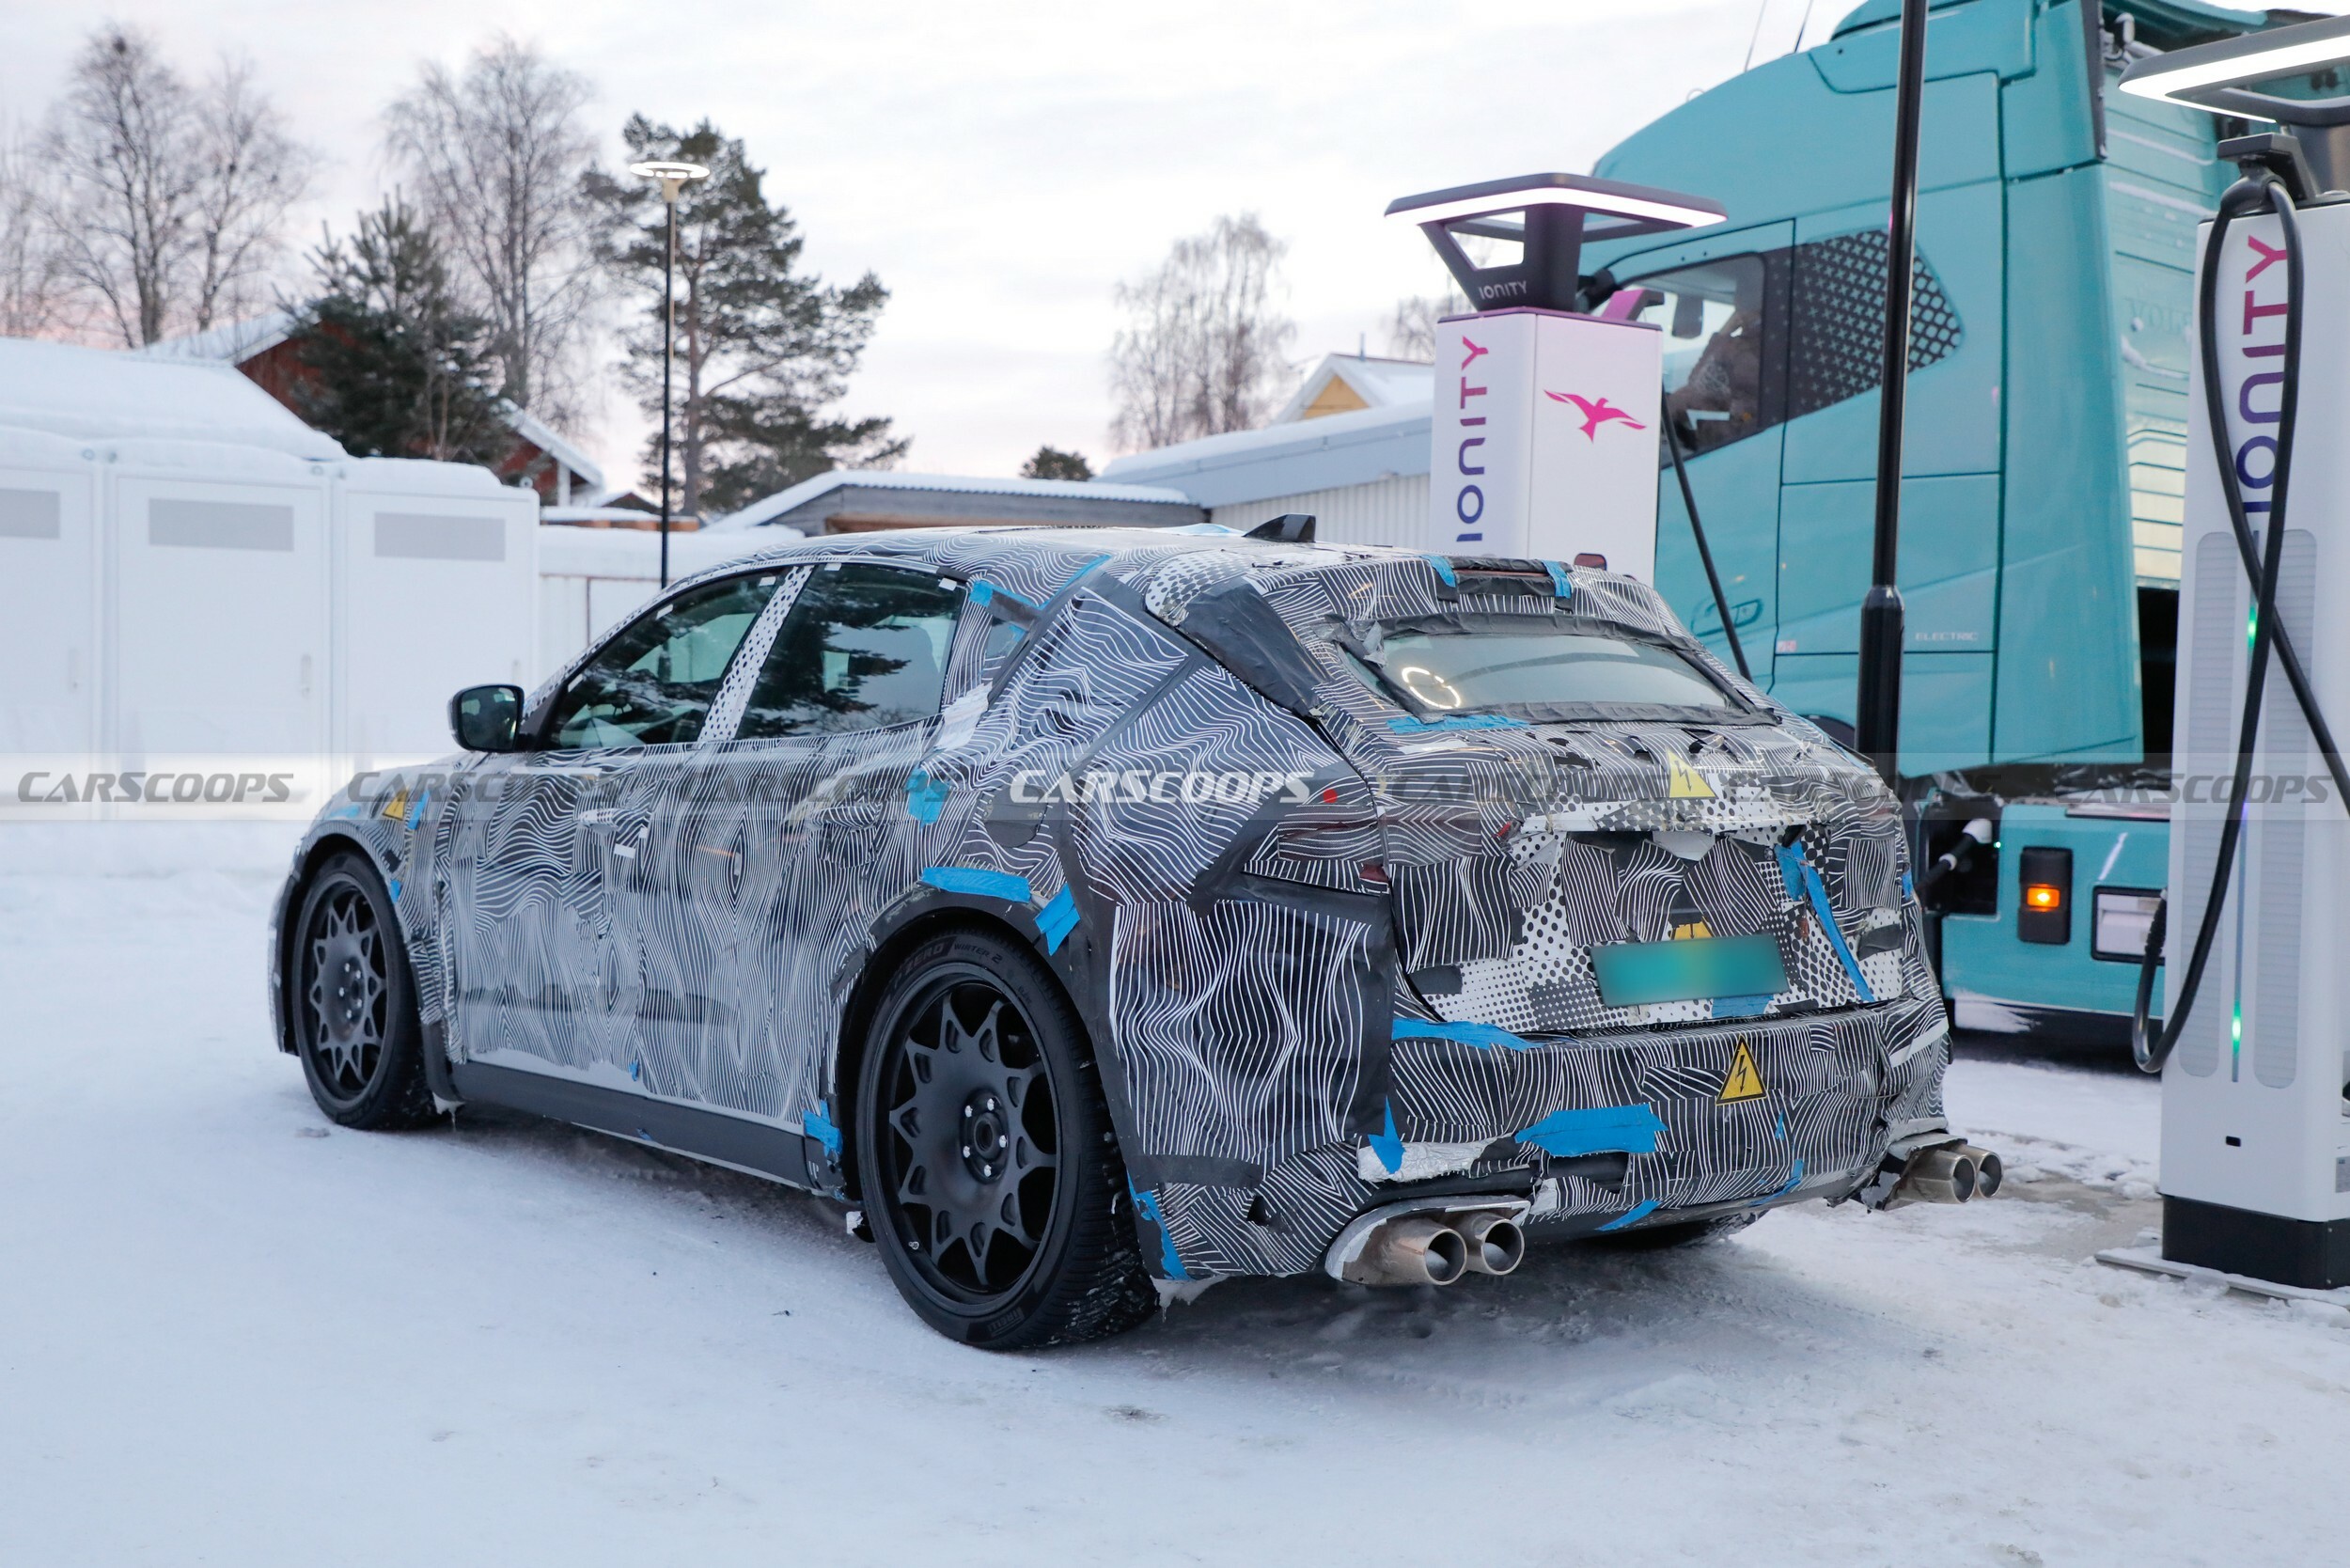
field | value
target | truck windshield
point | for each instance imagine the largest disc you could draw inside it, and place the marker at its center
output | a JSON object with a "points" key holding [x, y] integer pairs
{"points": [[1539, 673]]}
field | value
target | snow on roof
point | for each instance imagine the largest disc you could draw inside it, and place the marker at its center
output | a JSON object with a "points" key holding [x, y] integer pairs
{"points": [[1379, 383], [239, 342], [1328, 453], [231, 344], [542, 435], [107, 394], [800, 494]]}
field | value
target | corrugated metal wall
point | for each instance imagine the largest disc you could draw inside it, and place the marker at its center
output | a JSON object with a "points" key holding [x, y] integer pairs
{"points": [[1393, 510]]}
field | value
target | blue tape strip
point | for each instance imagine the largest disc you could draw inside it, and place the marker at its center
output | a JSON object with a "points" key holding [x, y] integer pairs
{"points": [[984, 884], [394, 886], [1792, 1182], [925, 797], [1803, 882], [1387, 1145], [816, 1124], [1561, 584], [1444, 569], [416, 812], [1638, 1213], [1057, 919], [1740, 1007], [1909, 889], [1601, 1130], [1484, 1036], [1408, 726], [1147, 1205], [984, 592]]}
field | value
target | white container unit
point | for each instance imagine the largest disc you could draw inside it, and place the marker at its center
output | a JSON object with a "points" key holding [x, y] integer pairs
{"points": [[228, 628]]}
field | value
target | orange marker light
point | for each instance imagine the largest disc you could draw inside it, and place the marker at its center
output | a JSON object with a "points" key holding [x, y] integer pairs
{"points": [[2040, 895]]}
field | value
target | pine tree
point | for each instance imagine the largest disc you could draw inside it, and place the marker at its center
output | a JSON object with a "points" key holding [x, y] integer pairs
{"points": [[1051, 463], [763, 349], [396, 368]]}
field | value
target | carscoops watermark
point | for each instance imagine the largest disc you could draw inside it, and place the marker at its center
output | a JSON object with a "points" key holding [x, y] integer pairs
{"points": [[152, 787], [1160, 787]]}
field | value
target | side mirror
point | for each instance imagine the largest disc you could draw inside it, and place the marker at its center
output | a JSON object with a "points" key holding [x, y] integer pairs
{"points": [[487, 718]]}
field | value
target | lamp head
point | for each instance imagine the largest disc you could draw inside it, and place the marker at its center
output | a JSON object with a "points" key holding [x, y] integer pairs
{"points": [[1537, 224], [673, 175], [2297, 75]]}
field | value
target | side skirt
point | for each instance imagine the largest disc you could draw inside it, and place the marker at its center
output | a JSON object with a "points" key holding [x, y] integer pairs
{"points": [[754, 1147]]}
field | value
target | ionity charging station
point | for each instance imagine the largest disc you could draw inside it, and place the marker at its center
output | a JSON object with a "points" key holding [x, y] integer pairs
{"points": [[1545, 434], [2254, 1045]]}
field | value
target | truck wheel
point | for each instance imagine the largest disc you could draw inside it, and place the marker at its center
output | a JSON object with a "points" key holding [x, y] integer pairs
{"points": [[985, 1157], [354, 1004]]}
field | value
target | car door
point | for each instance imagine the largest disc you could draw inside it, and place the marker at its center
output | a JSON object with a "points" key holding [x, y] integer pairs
{"points": [[547, 972], [798, 829]]}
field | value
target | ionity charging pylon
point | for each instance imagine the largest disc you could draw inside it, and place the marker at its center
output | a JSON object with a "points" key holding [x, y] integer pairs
{"points": [[2254, 1049], [1544, 441]]}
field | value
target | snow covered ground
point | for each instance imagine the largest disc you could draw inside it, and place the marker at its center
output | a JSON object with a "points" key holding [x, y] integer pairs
{"points": [[228, 1335]]}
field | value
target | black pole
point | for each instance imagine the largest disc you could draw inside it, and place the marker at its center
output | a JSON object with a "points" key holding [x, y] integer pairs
{"points": [[668, 328], [1878, 708], [1705, 554]]}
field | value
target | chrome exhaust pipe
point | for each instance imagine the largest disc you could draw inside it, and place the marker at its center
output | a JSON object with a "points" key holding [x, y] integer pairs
{"points": [[1989, 1171], [1943, 1175], [1496, 1244], [1412, 1250]]}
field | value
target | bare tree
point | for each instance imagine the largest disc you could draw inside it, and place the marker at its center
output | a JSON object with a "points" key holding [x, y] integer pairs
{"points": [[32, 281], [1202, 349], [496, 156], [169, 202], [253, 174], [1411, 332]]}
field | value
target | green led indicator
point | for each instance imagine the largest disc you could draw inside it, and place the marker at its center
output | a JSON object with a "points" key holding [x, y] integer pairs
{"points": [[2251, 625]]}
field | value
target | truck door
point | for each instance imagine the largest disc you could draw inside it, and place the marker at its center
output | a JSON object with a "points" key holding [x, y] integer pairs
{"points": [[1721, 304]]}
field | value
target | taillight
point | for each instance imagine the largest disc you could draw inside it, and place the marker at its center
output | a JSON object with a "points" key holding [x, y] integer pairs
{"points": [[1346, 854]]}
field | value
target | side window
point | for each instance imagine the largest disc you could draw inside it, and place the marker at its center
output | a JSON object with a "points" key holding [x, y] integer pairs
{"points": [[653, 684], [1719, 387], [865, 647]]}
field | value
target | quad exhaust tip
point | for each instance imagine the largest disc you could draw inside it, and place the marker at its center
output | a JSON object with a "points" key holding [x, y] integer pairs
{"points": [[1434, 1245], [1951, 1173], [1496, 1243]]}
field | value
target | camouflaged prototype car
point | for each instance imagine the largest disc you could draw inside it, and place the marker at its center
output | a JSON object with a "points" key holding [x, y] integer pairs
{"points": [[1102, 913]]}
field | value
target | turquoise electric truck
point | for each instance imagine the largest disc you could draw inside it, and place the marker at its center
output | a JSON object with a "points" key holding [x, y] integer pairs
{"points": [[2043, 461]]}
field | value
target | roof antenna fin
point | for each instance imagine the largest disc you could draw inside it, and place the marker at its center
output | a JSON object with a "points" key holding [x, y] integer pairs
{"points": [[1291, 527]]}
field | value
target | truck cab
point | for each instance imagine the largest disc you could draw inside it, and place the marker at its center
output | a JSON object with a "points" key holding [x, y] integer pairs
{"points": [[2044, 457]]}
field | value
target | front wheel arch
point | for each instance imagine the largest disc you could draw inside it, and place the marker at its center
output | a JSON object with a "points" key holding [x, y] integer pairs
{"points": [[315, 855]]}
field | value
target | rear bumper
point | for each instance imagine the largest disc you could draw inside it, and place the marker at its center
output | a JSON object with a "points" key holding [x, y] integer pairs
{"points": [[1598, 1134]]}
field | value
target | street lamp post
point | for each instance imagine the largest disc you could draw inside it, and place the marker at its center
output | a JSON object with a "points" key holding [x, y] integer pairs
{"points": [[674, 177]]}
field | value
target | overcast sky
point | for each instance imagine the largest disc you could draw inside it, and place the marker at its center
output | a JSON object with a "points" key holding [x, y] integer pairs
{"points": [[1003, 166]]}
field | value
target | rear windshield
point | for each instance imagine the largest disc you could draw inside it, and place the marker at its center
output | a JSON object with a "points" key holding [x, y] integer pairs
{"points": [[1539, 672]]}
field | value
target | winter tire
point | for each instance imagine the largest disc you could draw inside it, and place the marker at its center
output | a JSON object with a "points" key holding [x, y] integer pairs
{"points": [[990, 1173], [353, 1002]]}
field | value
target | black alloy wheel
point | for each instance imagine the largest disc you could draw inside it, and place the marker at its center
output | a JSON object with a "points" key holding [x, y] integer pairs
{"points": [[351, 1001], [985, 1157]]}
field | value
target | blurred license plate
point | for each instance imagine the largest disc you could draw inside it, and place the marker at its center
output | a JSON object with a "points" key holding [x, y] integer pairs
{"points": [[1694, 968]]}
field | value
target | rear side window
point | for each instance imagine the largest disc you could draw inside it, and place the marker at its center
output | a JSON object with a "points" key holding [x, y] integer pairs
{"points": [[1754, 341], [1540, 673], [1712, 320], [865, 647], [653, 684]]}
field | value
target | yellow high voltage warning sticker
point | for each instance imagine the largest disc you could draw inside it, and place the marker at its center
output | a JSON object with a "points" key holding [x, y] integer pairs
{"points": [[1744, 1083], [1687, 783]]}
